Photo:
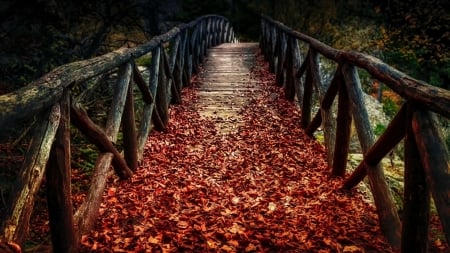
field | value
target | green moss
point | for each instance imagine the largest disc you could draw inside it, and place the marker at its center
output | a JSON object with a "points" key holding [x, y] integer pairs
{"points": [[144, 60]]}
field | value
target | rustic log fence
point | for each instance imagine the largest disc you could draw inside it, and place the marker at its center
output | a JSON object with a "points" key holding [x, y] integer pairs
{"points": [[426, 156], [175, 56]]}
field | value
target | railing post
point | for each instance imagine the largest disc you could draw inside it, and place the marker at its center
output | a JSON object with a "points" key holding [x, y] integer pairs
{"points": [[307, 94], [119, 98], [435, 161], [387, 213], [280, 71], [416, 201], [272, 55], [129, 131], [343, 129], [58, 176], [149, 108]]}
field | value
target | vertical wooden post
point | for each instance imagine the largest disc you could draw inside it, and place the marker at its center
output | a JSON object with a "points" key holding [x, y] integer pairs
{"points": [[386, 210], [343, 129], [161, 104], [273, 46], [394, 133], [119, 98], [129, 131], [291, 69], [281, 58], [307, 95], [58, 176], [145, 126], [435, 161], [328, 120], [416, 202]]}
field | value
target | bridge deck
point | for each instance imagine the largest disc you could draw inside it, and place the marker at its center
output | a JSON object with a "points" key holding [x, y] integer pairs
{"points": [[234, 173], [225, 84]]}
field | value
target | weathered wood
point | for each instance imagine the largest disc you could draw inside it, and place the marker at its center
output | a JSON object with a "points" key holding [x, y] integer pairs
{"points": [[387, 213], [343, 130], [129, 131], [119, 98], [46, 91], [328, 121], [333, 89], [416, 200], [147, 96], [58, 176], [291, 69], [15, 227], [175, 73], [297, 62], [87, 213], [97, 136], [149, 109], [393, 134], [281, 60], [435, 98], [42, 94], [435, 160], [162, 103], [144, 128], [307, 96], [314, 125], [172, 93]]}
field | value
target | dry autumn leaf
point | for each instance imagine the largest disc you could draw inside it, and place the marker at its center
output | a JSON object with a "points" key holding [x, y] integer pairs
{"points": [[263, 188]]}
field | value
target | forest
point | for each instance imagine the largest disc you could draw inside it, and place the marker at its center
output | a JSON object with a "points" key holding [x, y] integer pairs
{"points": [[35, 37]]}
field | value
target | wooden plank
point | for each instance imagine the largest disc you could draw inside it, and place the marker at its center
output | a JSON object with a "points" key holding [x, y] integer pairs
{"points": [[221, 99]]}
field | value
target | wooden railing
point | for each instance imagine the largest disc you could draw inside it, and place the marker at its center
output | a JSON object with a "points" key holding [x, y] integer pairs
{"points": [[426, 156], [175, 56]]}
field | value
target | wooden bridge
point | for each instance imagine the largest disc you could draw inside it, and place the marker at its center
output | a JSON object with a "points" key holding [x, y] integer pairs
{"points": [[176, 63]]}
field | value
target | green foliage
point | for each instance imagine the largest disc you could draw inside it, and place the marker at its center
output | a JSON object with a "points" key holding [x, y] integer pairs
{"points": [[379, 129], [390, 108], [416, 38], [144, 60]]}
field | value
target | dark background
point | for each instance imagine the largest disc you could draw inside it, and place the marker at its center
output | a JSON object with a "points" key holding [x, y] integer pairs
{"points": [[38, 36]]}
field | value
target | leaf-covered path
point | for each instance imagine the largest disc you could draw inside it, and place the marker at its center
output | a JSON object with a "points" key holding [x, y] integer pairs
{"points": [[265, 187]]}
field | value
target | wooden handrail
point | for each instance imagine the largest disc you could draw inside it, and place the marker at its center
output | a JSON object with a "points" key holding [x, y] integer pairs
{"points": [[50, 96], [434, 98], [426, 164]]}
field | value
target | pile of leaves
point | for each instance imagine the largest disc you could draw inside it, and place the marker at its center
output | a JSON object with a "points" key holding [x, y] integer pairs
{"points": [[264, 188]]}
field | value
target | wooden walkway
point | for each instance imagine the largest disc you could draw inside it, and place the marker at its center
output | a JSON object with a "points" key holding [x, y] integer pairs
{"points": [[234, 172], [225, 84]]}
